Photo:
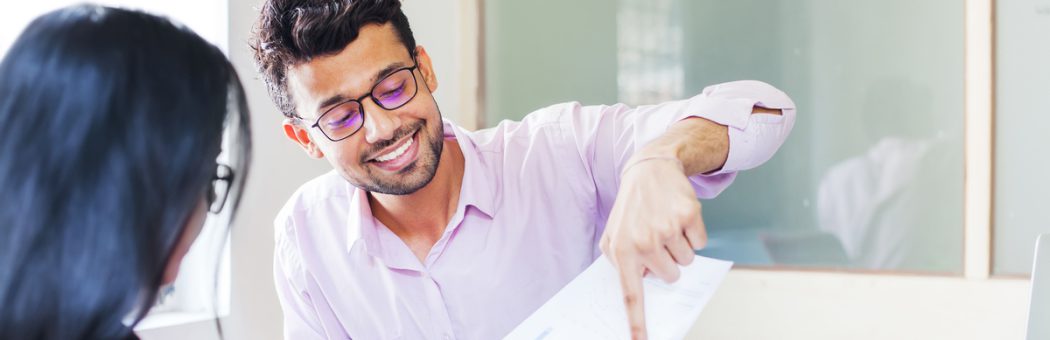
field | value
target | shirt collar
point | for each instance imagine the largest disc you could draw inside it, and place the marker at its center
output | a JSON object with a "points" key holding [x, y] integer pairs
{"points": [[477, 190]]}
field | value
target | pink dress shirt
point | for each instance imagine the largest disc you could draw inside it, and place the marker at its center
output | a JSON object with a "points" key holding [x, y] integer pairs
{"points": [[533, 205]]}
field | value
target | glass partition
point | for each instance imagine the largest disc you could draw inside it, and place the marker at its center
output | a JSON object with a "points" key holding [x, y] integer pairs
{"points": [[872, 176]]}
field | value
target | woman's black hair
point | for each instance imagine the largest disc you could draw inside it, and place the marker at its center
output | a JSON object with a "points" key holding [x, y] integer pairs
{"points": [[110, 124]]}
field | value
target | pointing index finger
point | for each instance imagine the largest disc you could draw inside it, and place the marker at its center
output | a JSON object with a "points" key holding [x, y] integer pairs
{"points": [[633, 299]]}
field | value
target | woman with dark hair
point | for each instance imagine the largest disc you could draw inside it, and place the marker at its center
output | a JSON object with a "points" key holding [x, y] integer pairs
{"points": [[111, 122]]}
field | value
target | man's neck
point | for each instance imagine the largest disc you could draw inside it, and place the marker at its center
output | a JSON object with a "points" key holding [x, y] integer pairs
{"points": [[420, 218]]}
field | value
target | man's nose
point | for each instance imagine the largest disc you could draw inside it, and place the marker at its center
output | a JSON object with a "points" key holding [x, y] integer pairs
{"points": [[380, 124]]}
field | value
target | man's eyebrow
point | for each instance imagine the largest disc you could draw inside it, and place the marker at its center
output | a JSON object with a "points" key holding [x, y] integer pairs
{"points": [[339, 98]]}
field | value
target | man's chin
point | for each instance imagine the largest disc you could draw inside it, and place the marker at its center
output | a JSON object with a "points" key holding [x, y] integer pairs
{"points": [[409, 180], [394, 190]]}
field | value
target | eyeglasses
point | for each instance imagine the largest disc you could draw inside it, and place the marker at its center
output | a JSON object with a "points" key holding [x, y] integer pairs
{"points": [[393, 92], [220, 188]]}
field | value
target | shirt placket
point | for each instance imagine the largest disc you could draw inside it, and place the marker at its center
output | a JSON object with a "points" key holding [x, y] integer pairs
{"points": [[436, 303], [436, 299]]}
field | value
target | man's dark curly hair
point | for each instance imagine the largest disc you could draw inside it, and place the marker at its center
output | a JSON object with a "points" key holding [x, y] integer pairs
{"points": [[292, 32]]}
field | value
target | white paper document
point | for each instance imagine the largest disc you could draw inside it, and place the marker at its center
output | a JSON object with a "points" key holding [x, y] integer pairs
{"points": [[591, 306]]}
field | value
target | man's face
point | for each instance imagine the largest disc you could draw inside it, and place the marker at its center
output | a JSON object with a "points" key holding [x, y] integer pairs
{"points": [[395, 151]]}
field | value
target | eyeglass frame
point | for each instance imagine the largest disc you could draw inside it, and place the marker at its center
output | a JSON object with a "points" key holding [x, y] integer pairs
{"points": [[371, 95], [217, 177]]}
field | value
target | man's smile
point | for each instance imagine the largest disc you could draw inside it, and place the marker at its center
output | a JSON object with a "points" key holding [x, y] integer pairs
{"points": [[398, 155]]}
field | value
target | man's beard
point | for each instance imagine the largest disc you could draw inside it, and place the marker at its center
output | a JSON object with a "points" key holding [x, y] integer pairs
{"points": [[414, 176]]}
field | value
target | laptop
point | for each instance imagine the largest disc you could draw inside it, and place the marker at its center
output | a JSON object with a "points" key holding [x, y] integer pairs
{"points": [[1039, 306]]}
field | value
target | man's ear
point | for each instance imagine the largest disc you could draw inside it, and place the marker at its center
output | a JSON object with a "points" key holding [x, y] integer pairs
{"points": [[426, 68], [301, 136]]}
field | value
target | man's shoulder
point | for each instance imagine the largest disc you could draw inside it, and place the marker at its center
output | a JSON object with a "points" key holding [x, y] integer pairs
{"points": [[324, 189], [543, 116], [540, 123], [306, 215]]}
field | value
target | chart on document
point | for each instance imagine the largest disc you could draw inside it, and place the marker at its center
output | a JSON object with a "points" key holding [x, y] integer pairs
{"points": [[591, 306]]}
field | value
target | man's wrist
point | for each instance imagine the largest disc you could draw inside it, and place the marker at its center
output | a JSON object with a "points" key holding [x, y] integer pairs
{"points": [[657, 149], [653, 157]]}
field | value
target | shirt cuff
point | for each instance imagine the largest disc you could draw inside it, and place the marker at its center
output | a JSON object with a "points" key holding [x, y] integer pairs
{"points": [[753, 139]]}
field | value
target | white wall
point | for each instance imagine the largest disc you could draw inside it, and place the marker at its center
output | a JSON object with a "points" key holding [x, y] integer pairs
{"points": [[278, 168], [435, 24]]}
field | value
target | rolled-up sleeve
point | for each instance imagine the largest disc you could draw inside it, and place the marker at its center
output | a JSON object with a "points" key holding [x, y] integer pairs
{"points": [[753, 138], [607, 136]]}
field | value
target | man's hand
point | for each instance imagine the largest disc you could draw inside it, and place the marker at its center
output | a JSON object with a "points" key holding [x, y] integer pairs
{"points": [[655, 225]]}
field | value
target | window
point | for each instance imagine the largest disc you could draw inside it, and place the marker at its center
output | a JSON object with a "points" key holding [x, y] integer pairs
{"points": [[872, 176], [649, 51], [206, 266]]}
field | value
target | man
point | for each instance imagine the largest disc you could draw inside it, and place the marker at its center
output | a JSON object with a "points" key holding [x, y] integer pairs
{"points": [[425, 230]]}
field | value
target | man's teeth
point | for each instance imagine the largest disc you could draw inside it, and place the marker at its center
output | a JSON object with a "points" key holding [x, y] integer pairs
{"points": [[396, 153]]}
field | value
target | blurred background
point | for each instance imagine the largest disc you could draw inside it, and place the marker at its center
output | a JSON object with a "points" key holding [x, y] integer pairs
{"points": [[905, 204]]}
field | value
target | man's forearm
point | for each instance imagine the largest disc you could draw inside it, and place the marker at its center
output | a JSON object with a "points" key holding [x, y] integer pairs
{"points": [[700, 144]]}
